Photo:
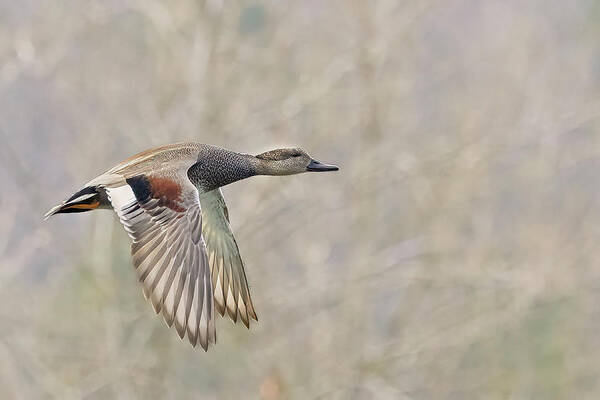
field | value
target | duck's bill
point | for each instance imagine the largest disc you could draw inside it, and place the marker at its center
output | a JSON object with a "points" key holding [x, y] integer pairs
{"points": [[316, 166]]}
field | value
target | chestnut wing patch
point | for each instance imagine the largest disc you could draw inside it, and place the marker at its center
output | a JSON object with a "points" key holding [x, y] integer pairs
{"points": [[165, 190]]}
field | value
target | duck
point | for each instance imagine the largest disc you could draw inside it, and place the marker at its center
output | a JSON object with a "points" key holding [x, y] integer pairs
{"points": [[170, 203]]}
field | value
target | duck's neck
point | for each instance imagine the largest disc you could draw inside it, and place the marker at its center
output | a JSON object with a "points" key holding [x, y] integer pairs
{"points": [[218, 167]]}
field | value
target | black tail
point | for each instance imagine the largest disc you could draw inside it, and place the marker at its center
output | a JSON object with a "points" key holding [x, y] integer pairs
{"points": [[87, 199]]}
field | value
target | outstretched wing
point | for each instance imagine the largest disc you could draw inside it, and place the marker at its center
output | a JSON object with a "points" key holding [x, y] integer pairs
{"points": [[162, 215], [228, 277]]}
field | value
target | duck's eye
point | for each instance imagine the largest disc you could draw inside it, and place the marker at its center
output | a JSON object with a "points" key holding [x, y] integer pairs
{"points": [[296, 155]]}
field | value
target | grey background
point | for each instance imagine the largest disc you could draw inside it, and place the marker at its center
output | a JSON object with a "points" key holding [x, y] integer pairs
{"points": [[453, 256]]}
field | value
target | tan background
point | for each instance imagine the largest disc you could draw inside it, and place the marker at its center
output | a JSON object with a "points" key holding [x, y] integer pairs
{"points": [[454, 255]]}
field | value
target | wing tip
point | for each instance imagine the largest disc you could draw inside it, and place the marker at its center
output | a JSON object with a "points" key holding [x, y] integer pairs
{"points": [[251, 311], [220, 308], [180, 330]]}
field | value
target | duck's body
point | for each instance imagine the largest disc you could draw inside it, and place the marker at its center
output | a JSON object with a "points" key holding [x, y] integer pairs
{"points": [[168, 200]]}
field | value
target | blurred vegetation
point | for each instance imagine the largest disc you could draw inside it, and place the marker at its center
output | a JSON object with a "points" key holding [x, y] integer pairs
{"points": [[453, 256]]}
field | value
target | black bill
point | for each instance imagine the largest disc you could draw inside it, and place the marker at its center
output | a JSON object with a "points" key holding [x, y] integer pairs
{"points": [[316, 166]]}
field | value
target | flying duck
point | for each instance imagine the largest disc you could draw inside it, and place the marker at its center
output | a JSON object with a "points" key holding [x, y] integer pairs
{"points": [[169, 201]]}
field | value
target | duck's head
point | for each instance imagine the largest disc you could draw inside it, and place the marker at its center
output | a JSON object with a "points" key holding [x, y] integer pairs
{"points": [[289, 162]]}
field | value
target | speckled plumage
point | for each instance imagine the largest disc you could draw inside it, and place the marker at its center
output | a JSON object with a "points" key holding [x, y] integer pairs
{"points": [[217, 167]]}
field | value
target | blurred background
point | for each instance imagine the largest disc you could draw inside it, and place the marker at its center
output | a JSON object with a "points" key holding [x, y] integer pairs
{"points": [[454, 255]]}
